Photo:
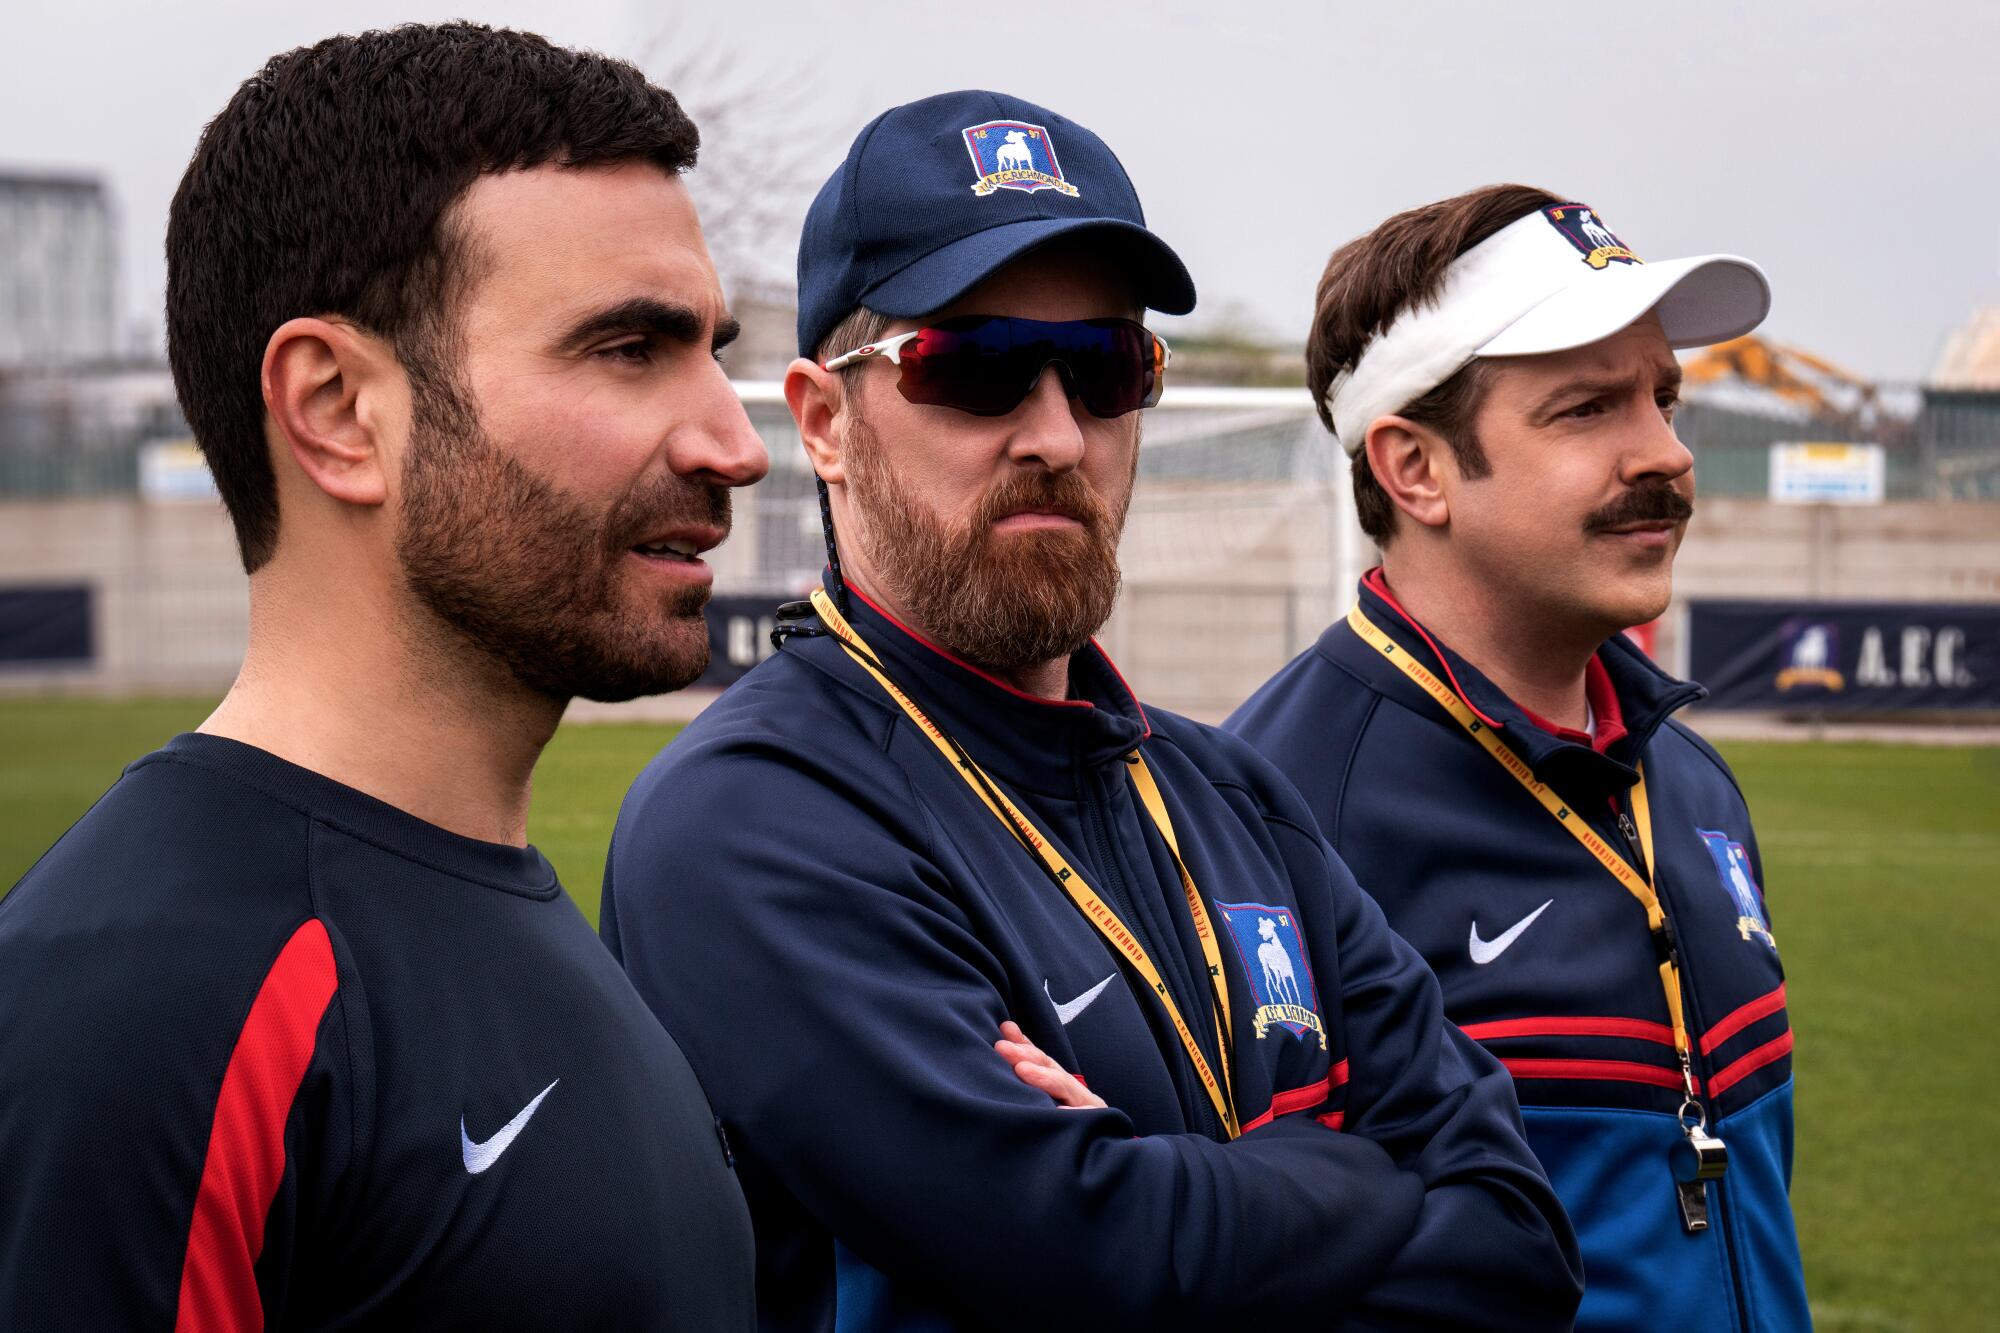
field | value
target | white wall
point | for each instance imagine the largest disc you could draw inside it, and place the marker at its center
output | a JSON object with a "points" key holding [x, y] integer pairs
{"points": [[1224, 582]]}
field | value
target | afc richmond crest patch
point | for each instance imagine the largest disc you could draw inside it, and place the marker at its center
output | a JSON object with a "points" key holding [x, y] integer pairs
{"points": [[1587, 232], [1274, 960], [1014, 155], [1732, 864]]}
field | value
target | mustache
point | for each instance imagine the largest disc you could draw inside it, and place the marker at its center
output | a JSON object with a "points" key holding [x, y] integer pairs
{"points": [[1067, 494], [667, 502], [1651, 502]]}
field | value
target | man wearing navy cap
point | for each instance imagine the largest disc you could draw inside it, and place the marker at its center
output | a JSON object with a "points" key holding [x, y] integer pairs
{"points": [[1021, 1004], [1501, 767]]}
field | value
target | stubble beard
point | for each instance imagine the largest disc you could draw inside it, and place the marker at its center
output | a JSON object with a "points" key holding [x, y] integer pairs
{"points": [[1002, 601], [529, 578]]}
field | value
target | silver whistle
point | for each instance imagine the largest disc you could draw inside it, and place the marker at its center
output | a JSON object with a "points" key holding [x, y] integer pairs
{"points": [[1697, 1159]]}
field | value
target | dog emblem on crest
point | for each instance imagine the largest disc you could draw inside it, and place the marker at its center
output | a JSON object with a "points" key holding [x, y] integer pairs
{"points": [[1811, 652], [1014, 155], [1732, 865], [1587, 232], [1274, 963]]}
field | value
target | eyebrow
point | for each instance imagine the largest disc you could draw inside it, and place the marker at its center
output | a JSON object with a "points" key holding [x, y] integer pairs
{"points": [[643, 314], [1583, 390]]}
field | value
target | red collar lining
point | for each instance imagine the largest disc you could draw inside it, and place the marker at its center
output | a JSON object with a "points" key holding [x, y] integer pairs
{"points": [[1598, 690], [1105, 658], [1604, 709], [1378, 583]]}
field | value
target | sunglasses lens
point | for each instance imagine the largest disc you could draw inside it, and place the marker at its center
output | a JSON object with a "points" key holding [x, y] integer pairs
{"points": [[1114, 371], [972, 364], [986, 364]]}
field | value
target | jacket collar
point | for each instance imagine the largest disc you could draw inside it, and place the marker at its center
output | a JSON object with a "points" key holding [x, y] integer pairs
{"points": [[1645, 695], [1025, 740]]}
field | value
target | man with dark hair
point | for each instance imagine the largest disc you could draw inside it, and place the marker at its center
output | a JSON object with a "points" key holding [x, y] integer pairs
{"points": [[918, 877], [299, 1031], [1501, 767]]}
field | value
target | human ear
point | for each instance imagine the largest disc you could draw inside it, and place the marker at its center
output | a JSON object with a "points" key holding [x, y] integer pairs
{"points": [[323, 381], [1407, 460], [815, 396]]}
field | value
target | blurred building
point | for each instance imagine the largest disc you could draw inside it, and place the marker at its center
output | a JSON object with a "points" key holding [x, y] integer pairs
{"points": [[769, 314], [82, 430], [1960, 424], [58, 271]]}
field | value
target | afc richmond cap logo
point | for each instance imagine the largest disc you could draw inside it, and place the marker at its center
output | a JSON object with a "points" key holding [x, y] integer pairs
{"points": [[1274, 961], [1014, 155], [1811, 656], [1587, 232], [1732, 863]]}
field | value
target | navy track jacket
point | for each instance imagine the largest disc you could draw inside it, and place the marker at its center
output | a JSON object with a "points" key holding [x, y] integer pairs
{"points": [[276, 1055], [834, 928], [1546, 959]]}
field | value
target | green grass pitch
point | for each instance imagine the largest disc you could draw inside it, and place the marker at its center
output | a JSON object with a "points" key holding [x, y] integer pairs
{"points": [[1884, 870]]}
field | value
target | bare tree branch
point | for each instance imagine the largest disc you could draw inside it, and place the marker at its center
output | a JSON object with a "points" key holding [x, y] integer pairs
{"points": [[765, 144]]}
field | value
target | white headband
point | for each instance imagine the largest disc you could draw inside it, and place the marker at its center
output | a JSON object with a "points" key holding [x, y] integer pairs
{"points": [[1550, 281]]}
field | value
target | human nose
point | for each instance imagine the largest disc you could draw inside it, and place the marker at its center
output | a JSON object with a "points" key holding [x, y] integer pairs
{"points": [[1046, 428], [1658, 453], [717, 443]]}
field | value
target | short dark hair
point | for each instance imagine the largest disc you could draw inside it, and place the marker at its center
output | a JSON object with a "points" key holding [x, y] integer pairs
{"points": [[325, 186], [1370, 281]]}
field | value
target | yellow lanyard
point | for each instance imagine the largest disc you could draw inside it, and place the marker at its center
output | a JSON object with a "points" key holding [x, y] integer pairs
{"points": [[1095, 910], [1639, 887]]}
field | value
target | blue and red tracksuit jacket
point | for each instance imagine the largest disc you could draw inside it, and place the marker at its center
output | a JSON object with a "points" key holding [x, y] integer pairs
{"points": [[834, 928], [1546, 960]]}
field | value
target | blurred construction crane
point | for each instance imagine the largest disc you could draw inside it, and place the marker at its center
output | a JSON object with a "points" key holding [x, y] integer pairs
{"points": [[1811, 382]]}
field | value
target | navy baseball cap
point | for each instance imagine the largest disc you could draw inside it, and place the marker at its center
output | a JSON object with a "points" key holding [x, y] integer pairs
{"points": [[936, 195]]}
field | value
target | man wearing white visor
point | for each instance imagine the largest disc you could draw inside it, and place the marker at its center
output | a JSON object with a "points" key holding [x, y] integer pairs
{"points": [[1500, 766]]}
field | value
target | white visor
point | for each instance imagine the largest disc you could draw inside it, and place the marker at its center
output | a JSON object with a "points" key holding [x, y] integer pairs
{"points": [[1550, 281]]}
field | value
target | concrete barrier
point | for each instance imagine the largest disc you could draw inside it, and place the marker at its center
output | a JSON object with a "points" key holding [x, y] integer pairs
{"points": [[1224, 581]]}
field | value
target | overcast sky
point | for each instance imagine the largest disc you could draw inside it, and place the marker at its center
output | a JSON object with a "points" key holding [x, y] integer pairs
{"points": [[1852, 149]]}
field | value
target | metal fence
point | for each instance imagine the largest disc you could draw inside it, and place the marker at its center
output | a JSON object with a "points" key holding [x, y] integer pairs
{"points": [[1240, 547], [58, 440]]}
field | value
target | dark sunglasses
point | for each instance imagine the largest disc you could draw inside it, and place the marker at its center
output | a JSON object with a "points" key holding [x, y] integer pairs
{"points": [[986, 364]]}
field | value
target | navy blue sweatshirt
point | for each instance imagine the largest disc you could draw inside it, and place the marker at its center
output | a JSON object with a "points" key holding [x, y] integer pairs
{"points": [[834, 928], [1546, 959], [274, 1054]]}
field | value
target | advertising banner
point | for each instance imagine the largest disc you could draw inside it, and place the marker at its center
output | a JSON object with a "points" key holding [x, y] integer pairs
{"points": [[739, 635], [45, 625], [174, 472], [1852, 657], [1828, 473]]}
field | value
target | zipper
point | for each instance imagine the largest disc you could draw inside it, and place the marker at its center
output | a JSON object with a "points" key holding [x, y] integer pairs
{"points": [[1630, 833], [1725, 1216], [1113, 887]]}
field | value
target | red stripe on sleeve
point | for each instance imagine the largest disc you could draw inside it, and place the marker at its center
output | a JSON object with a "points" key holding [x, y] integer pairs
{"points": [[1616, 1071], [246, 1145], [1761, 1007], [1637, 1029], [1300, 1099], [1732, 1074]]}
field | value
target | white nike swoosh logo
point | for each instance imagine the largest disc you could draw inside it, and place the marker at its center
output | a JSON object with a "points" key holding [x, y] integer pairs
{"points": [[1066, 1012], [479, 1156], [1485, 952]]}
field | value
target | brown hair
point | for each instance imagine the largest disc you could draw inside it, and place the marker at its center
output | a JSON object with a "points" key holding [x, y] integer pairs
{"points": [[1371, 280]]}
